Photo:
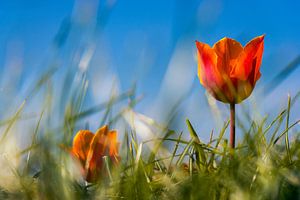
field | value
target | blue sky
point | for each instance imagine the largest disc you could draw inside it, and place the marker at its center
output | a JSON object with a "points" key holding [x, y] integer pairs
{"points": [[140, 39], [157, 25]]}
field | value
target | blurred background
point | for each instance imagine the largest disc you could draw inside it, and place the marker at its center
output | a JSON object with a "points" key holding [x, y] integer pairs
{"points": [[150, 45]]}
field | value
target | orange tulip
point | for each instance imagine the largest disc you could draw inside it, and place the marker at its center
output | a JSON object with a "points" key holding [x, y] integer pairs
{"points": [[90, 148], [228, 70]]}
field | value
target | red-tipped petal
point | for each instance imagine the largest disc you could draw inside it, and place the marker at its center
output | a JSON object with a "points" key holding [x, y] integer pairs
{"points": [[207, 66]]}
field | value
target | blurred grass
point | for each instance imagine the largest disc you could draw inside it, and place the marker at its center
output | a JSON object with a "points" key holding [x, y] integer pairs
{"points": [[265, 164], [282, 75]]}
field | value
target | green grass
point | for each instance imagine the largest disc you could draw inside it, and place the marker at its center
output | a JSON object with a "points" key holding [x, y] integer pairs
{"points": [[264, 165]]}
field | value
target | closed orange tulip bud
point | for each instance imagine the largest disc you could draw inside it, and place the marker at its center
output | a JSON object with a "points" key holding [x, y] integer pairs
{"points": [[228, 70], [90, 148]]}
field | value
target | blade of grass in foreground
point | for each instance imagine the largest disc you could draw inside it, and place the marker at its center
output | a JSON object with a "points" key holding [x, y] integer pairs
{"points": [[201, 158], [100, 107], [285, 131], [13, 120], [287, 142], [32, 146], [222, 132], [281, 76], [157, 147], [184, 152], [174, 151]]}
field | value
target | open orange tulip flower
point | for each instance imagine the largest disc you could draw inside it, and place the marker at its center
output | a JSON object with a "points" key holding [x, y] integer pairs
{"points": [[230, 71], [89, 149]]}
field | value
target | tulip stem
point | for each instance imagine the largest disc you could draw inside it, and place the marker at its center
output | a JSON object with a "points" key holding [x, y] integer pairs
{"points": [[232, 125]]}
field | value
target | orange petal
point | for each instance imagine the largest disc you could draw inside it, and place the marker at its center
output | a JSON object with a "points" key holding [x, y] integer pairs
{"points": [[81, 145], [207, 66], [96, 153], [249, 61], [228, 50], [113, 145]]}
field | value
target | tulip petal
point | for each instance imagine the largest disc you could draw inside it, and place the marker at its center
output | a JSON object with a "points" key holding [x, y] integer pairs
{"points": [[207, 66], [96, 153], [81, 145], [249, 62], [228, 50], [113, 146]]}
